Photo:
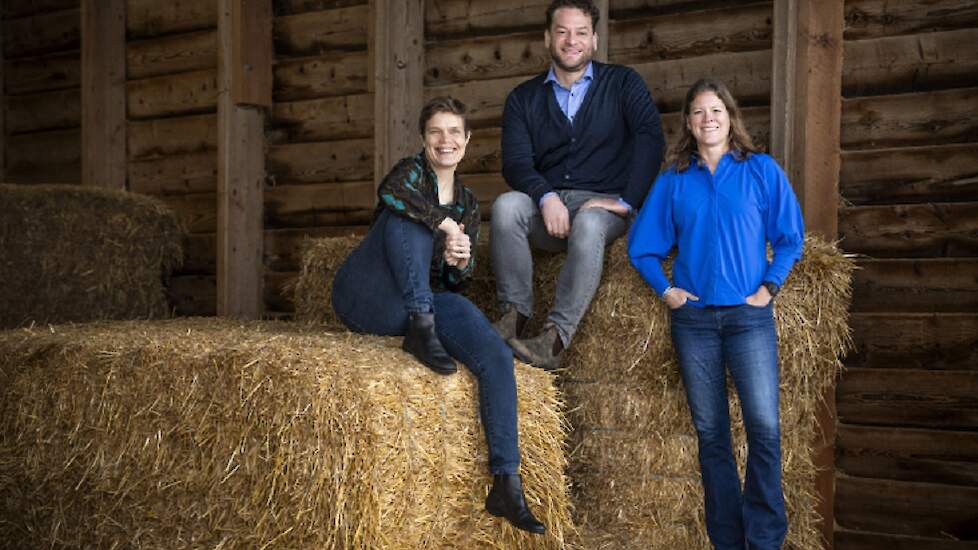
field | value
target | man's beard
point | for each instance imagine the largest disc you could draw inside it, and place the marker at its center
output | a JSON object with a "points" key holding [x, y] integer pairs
{"points": [[555, 57]]}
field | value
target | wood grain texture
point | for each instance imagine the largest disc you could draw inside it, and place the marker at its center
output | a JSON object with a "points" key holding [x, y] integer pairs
{"points": [[318, 77], [340, 203], [910, 174], [942, 285], [172, 95], [945, 341], [103, 93], [57, 71], [321, 32], [877, 18], [932, 399], [45, 157], [905, 508], [175, 174], [41, 34], [926, 118], [448, 18], [163, 137], [318, 162], [930, 456], [42, 111], [926, 230], [172, 54], [147, 18], [326, 119], [847, 539]]}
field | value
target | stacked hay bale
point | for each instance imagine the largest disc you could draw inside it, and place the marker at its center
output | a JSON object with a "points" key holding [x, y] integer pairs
{"points": [[72, 253], [633, 456], [634, 451], [211, 433]]}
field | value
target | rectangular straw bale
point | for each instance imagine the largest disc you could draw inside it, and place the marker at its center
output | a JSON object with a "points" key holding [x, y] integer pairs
{"points": [[213, 433], [627, 405], [70, 253]]}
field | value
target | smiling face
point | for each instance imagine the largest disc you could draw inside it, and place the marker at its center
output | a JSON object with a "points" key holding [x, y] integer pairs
{"points": [[709, 121], [445, 139], [571, 39]]}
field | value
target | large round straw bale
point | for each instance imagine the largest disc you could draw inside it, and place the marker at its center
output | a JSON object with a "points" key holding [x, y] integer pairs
{"points": [[213, 433], [70, 253]]}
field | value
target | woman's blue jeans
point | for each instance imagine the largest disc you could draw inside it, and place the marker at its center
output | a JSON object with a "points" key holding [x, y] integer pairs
{"points": [[386, 277], [742, 340]]}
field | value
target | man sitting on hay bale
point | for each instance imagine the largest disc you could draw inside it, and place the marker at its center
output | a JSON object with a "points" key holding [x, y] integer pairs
{"points": [[578, 173]]}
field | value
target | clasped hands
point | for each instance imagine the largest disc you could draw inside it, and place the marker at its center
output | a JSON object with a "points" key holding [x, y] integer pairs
{"points": [[458, 246], [676, 297]]}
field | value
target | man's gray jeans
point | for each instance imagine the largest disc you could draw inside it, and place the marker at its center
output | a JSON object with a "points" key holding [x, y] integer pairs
{"points": [[517, 224]]}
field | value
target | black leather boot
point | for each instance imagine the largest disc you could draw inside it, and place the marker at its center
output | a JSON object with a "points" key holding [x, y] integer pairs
{"points": [[506, 500], [422, 342]]}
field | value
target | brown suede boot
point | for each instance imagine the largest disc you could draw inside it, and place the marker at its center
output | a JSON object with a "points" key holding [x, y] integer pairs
{"points": [[542, 351], [511, 323]]}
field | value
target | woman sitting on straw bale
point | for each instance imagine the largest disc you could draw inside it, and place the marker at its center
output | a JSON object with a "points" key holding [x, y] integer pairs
{"points": [[720, 203], [404, 279]]}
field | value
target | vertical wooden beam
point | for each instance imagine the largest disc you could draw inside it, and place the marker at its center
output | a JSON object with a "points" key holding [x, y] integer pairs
{"points": [[3, 104], [103, 93], [602, 30], [806, 114], [397, 57], [244, 48]]}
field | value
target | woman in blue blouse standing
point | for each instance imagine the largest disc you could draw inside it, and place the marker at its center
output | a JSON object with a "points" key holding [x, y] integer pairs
{"points": [[720, 203], [405, 277]]}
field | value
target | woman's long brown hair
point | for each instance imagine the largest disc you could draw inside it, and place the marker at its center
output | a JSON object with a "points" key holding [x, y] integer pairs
{"points": [[739, 140]]}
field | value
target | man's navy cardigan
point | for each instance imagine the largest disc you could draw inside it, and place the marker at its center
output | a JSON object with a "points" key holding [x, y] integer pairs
{"points": [[615, 144]]}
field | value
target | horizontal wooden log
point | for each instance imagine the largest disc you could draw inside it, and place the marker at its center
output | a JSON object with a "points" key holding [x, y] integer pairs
{"points": [[678, 35], [41, 34], [327, 119], [197, 212], [876, 18], [846, 539], [446, 18], [283, 247], [175, 174], [20, 8], [199, 254], [747, 74], [911, 63], [277, 293], [485, 58], [56, 71], [172, 136], [341, 203], [947, 341], [924, 118], [43, 111], [484, 99], [349, 160], [931, 456], [906, 508], [916, 286], [171, 54], [321, 32], [624, 9], [910, 174], [193, 295], [483, 154], [44, 157], [932, 230], [291, 7], [317, 77], [179, 94], [148, 18], [909, 397]]}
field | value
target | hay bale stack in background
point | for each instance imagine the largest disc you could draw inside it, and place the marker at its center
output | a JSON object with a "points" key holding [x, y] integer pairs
{"points": [[71, 253], [634, 451], [210, 433]]}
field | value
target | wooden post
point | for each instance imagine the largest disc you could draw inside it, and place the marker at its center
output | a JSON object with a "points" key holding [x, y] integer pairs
{"points": [[103, 93], [396, 52], [244, 82], [3, 110], [806, 114], [602, 30]]}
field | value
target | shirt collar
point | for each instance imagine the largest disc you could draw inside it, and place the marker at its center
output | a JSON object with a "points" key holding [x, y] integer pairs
{"points": [[588, 74]]}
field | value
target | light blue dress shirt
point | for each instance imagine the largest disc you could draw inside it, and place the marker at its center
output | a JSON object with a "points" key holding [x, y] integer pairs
{"points": [[570, 100]]}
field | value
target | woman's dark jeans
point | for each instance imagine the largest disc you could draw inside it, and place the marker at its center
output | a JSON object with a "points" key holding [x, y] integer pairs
{"points": [[742, 340], [386, 277]]}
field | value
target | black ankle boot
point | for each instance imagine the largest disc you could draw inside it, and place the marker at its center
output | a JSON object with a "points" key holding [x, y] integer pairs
{"points": [[422, 342], [506, 500]]}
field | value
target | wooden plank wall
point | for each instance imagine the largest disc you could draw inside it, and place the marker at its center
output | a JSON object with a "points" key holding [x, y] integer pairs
{"points": [[42, 87], [320, 138], [171, 89], [907, 444]]}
